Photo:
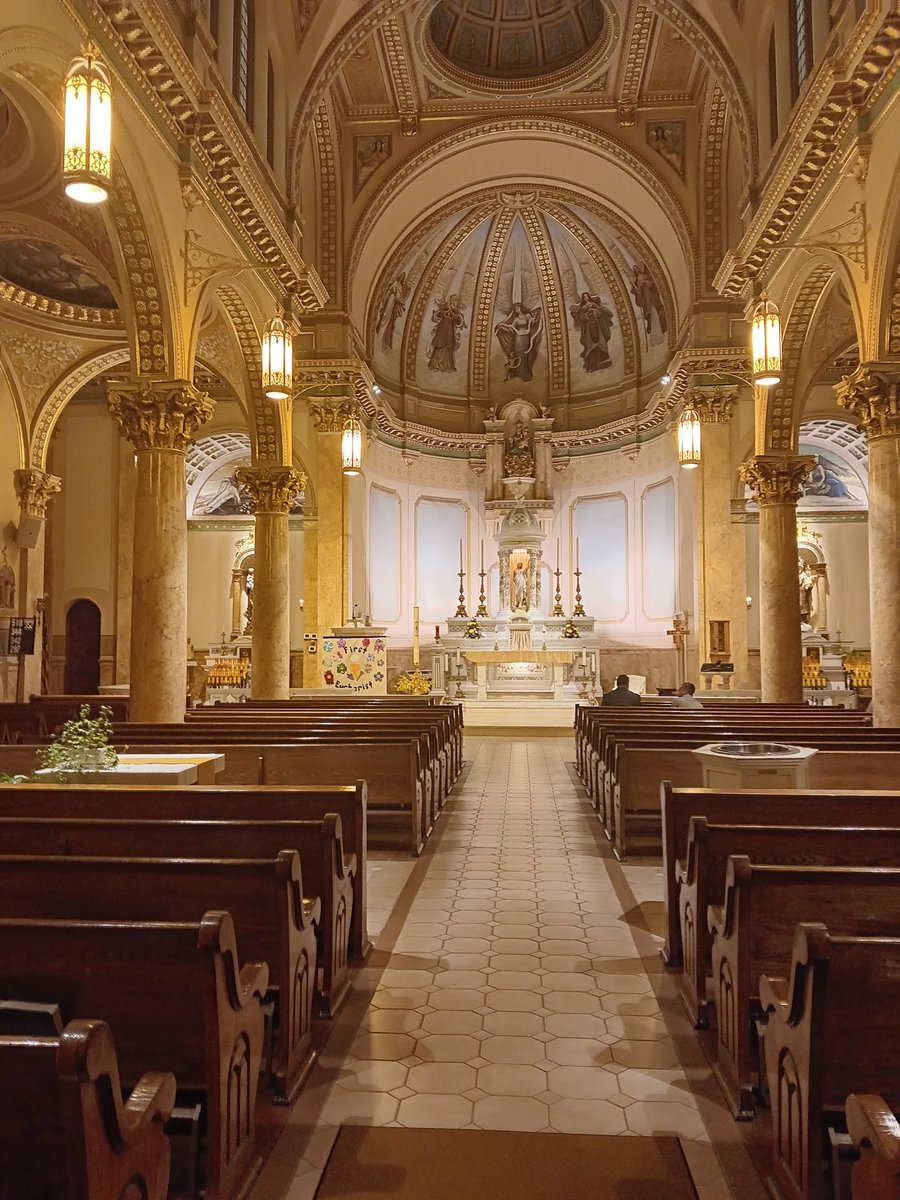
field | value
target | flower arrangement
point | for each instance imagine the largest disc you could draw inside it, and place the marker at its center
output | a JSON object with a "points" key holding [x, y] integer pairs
{"points": [[569, 630], [472, 629], [412, 683], [82, 744]]}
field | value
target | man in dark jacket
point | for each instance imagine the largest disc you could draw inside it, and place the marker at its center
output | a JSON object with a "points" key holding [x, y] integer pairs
{"points": [[620, 696]]}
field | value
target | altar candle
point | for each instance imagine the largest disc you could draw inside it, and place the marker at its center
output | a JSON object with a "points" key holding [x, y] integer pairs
{"points": [[437, 633], [557, 554], [482, 556], [577, 555], [416, 638], [583, 656], [458, 660], [460, 554]]}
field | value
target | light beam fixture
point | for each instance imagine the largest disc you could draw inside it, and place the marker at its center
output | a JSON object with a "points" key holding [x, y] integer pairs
{"points": [[351, 446], [689, 437], [87, 142], [277, 358], [766, 344]]}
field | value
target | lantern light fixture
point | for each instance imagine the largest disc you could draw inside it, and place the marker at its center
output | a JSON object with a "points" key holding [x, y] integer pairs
{"points": [[351, 446], [277, 358], [766, 344], [689, 437], [87, 139]]}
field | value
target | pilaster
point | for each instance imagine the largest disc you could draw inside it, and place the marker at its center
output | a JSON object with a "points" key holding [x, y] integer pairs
{"points": [[872, 396], [35, 489], [776, 480], [328, 418]]}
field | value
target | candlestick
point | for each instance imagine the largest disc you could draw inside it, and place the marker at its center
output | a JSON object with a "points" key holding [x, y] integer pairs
{"points": [[458, 658], [437, 633], [578, 610], [416, 638], [557, 606], [557, 555], [577, 554], [482, 556], [482, 597], [460, 554], [461, 606]]}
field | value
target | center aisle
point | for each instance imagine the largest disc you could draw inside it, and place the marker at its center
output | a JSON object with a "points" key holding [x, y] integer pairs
{"points": [[513, 986]]}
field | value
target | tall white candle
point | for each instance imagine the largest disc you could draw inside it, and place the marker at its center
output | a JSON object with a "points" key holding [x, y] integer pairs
{"points": [[583, 656], [557, 554], [577, 556], [416, 637], [458, 659], [482, 556], [460, 554]]}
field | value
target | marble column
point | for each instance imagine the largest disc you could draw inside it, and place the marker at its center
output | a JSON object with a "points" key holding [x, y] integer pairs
{"points": [[273, 490], [35, 489], [872, 395], [331, 542], [159, 418], [775, 480], [722, 589]]}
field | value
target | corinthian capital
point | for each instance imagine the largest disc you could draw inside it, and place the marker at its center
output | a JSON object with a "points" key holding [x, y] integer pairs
{"points": [[776, 478], [272, 489], [35, 490], [872, 395], [159, 415], [328, 416], [714, 405]]}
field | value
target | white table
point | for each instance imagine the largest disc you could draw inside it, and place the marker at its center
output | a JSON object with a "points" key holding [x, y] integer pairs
{"points": [[173, 770]]}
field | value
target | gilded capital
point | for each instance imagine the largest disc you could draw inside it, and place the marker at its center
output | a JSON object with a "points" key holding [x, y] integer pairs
{"points": [[776, 478], [714, 405], [35, 489], [328, 416], [272, 489], [159, 414], [872, 395]]}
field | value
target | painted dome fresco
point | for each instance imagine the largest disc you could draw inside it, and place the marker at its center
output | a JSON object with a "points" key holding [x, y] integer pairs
{"points": [[536, 293], [519, 39]]}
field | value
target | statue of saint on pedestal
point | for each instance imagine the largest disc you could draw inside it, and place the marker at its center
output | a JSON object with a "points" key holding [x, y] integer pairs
{"points": [[519, 585]]}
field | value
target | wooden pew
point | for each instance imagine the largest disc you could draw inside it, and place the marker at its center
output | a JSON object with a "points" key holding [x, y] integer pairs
{"points": [[866, 766], [274, 923], [831, 1030], [875, 1132], [327, 870], [178, 1000], [753, 933], [268, 804], [700, 879], [65, 1132], [827, 808]]}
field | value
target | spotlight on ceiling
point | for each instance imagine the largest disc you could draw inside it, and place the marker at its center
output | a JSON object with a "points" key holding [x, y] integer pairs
{"points": [[665, 379]]}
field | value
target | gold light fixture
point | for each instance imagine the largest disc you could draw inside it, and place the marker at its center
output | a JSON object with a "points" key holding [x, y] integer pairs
{"points": [[277, 358], [87, 150], [689, 437], [351, 446], [766, 344]]}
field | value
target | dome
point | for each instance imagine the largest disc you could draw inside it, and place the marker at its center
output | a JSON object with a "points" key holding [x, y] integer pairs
{"points": [[519, 525], [499, 40]]}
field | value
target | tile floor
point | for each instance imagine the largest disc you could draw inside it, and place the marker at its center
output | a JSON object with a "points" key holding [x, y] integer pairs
{"points": [[516, 984]]}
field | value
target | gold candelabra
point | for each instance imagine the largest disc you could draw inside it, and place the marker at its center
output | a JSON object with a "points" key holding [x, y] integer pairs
{"points": [[481, 611], [578, 610], [557, 607], [461, 606]]}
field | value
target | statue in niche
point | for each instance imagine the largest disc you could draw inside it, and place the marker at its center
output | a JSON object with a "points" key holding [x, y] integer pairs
{"points": [[519, 586], [7, 584], [594, 320], [807, 585], [520, 335], [248, 592], [449, 322], [518, 459]]}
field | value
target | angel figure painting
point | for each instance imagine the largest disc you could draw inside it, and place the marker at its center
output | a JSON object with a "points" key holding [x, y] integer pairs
{"points": [[391, 309], [520, 335], [449, 322], [645, 290], [594, 321]]}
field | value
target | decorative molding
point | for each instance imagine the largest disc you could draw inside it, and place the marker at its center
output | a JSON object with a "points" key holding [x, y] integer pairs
{"points": [[272, 489], [872, 395], [713, 232], [398, 57], [38, 362], [715, 406], [329, 416], [634, 61], [159, 414], [49, 412], [35, 489], [329, 202], [265, 427], [776, 478]]}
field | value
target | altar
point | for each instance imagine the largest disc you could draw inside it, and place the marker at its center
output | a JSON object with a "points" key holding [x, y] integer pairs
{"points": [[520, 673]]}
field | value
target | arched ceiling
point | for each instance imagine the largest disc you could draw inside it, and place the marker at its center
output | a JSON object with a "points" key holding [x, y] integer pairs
{"points": [[520, 39]]}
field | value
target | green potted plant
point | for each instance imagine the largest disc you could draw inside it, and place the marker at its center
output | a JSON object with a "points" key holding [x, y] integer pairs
{"points": [[83, 744]]}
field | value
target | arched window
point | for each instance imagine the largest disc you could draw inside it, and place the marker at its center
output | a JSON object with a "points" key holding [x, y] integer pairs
{"points": [[242, 70], [801, 44]]}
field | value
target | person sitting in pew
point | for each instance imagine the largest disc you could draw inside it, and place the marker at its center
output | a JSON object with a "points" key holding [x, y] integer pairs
{"points": [[620, 696], [685, 698]]}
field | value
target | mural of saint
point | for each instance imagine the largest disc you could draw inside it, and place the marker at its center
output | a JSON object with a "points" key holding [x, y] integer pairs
{"points": [[594, 320], [393, 305], [371, 152], [446, 336], [520, 335], [647, 298]]}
